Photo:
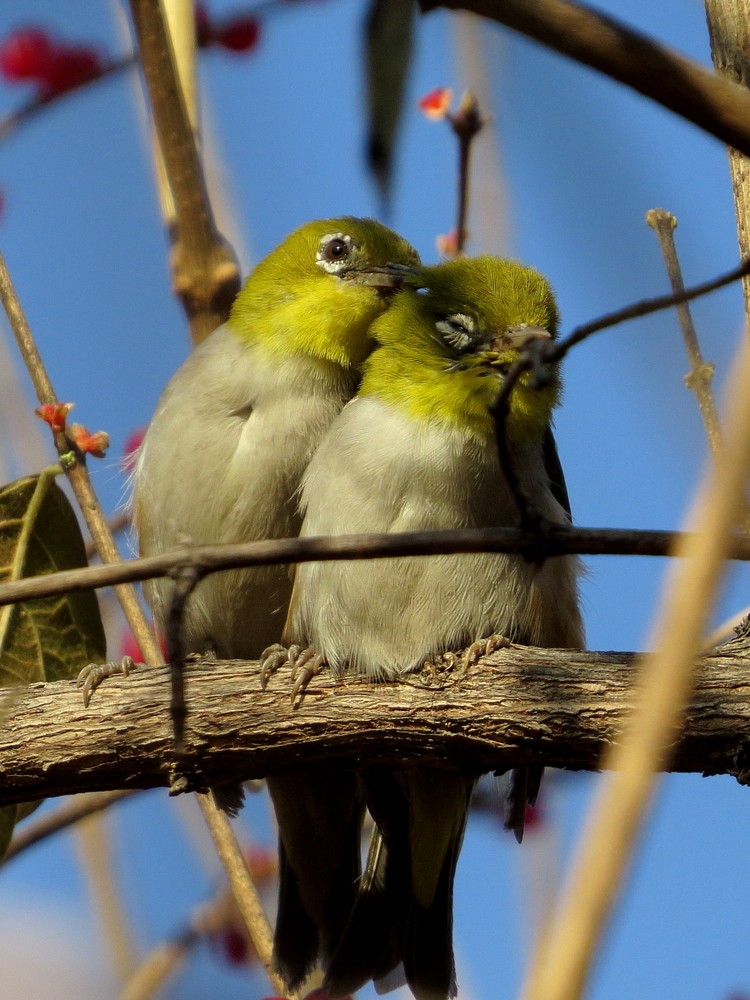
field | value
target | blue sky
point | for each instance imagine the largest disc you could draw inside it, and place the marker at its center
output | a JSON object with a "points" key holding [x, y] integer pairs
{"points": [[581, 161]]}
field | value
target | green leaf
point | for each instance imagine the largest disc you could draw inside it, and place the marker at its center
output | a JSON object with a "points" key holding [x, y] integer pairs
{"points": [[389, 30], [52, 637]]}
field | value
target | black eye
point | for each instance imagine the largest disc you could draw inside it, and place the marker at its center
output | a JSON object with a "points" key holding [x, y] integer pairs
{"points": [[335, 250]]}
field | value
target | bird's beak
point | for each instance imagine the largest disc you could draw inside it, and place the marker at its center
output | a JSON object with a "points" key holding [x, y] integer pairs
{"points": [[516, 337], [503, 347], [389, 276]]}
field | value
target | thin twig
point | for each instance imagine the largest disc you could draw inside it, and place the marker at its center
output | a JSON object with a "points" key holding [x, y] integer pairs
{"points": [[186, 579], [161, 964], [561, 965], [117, 523], [701, 372], [39, 102], [100, 531], [544, 542], [715, 104], [540, 355], [466, 123], [75, 470], [93, 840], [49, 823], [244, 889]]}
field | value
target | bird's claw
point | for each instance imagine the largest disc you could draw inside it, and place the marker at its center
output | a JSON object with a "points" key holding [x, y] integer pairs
{"points": [[483, 647], [93, 674], [306, 664], [271, 659]]}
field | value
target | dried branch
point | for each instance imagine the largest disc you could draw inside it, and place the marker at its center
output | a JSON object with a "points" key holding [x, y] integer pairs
{"points": [[711, 102], [49, 823], [562, 963], [466, 123], [701, 372], [544, 542], [106, 546], [160, 965], [729, 31], [206, 275], [39, 102], [244, 891], [555, 707]]}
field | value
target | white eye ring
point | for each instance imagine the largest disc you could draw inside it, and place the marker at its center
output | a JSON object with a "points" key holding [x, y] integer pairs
{"points": [[457, 330], [335, 252]]}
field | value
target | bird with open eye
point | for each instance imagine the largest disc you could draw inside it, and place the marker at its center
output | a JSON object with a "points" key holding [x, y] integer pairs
{"points": [[239, 421], [222, 461], [417, 449]]}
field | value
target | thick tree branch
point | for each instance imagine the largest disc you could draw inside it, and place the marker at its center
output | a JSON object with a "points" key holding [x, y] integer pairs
{"points": [[715, 104], [557, 707]]}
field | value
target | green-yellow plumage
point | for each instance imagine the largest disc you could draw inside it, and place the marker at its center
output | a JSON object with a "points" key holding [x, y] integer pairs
{"points": [[411, 372], [417, 450], [222, 461], [291, 305]]}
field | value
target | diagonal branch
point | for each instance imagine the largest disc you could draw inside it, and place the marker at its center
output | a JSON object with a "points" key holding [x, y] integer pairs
{"points": [[713, 103]]}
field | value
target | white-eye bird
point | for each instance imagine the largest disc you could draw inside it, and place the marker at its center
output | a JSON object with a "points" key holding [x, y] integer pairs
{"points": [[239, 421], [222, 461], [417, 450]]}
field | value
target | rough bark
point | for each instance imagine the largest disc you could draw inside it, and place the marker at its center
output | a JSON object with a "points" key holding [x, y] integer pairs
{"points": [[556, 707], [729, 31]]}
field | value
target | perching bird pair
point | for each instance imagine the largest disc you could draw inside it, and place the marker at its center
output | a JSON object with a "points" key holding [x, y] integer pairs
{"points": [[260, 435]]}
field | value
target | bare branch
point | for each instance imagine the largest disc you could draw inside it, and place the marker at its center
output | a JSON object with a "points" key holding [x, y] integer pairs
{"points": [[546, 542], [206, 275], [554, 707], [38, 829], [711, 102], [701, 372], [565, 953], [729, 31]]}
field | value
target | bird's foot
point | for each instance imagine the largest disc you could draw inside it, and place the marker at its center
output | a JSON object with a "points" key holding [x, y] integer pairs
{"points": [[93, 674], [306, 664], [483, 647], [271, 659]]}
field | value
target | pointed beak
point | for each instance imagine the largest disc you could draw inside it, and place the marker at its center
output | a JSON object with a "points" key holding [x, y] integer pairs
{"points": [[389, 276], [515, 337], [502, 347]]}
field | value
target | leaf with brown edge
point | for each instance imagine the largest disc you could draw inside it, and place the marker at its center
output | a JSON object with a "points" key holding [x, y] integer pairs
{"points": [[50, 638]]}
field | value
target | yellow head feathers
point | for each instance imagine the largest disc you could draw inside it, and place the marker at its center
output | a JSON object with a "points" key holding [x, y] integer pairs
{"points": [[318, 292]]}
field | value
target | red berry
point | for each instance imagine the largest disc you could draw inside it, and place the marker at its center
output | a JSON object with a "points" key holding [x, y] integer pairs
{"points": [[25, 54], [69, 66], [238, 34]]}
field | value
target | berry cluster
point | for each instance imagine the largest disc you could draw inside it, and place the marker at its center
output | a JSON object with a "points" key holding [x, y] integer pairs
{"points": [[32, 55]]}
